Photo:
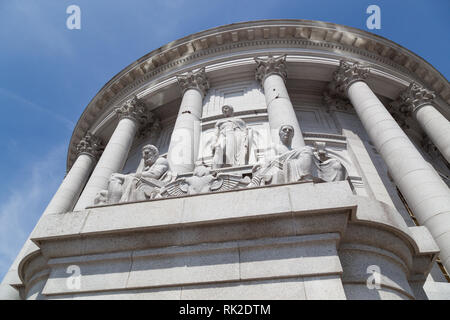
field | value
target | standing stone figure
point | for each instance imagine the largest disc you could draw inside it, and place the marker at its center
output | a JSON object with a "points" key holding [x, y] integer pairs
{"points": [[230, 145], [141, 185]]}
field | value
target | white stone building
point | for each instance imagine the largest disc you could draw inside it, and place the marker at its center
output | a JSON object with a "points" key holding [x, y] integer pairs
{"points": [[354, 205]]}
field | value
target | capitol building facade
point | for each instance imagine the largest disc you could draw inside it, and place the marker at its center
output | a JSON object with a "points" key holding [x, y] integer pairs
{"points": [[276, 159]]}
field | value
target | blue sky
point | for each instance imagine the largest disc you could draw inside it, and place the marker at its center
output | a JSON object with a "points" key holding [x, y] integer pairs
{"points": [[48, 74]]}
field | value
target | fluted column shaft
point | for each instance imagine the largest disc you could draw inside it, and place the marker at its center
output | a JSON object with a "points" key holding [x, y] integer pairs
{"points": [[185, 139], [131, 115], [436, 126], [64, 199], [72, 185], [271, 73], [425, 192], [112, 160]]}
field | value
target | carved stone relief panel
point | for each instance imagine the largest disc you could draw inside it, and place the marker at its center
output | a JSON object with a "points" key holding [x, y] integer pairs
{"points": [[235, 151], [153, 178]]}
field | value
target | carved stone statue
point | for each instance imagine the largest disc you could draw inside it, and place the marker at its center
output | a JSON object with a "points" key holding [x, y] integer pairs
{"points": [[292, 165], [231, 142], [329, 169], [142, 185], [202, 181], [288, 165]]}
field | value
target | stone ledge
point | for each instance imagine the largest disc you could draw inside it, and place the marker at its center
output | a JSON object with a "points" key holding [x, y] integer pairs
{"points": [[244, 204], [292, 288], [437, 290], [378, 213]]}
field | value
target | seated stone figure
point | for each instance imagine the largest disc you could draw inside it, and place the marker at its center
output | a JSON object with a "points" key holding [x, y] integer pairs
{"points": [[288, 165], [329, 169], [142, 185], [292, 165]]}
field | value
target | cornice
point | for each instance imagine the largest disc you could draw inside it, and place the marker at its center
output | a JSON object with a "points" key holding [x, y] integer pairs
{"points": [[257, 34]]}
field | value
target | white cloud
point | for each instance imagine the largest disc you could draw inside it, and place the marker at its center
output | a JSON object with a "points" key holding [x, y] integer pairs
{"points": [[26, 202]]}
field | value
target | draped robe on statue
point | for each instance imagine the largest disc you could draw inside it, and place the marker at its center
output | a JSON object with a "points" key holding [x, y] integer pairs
{"points": [[289, 166], [134, 189], [232, 143], [292, 165]]}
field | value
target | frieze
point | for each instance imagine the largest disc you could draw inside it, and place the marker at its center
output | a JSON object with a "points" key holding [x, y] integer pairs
{"points": [[154, 179]]}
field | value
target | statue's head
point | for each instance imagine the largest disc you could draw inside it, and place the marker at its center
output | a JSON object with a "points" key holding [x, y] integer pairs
{"points": [[286, 133], [227, 110], [150, 153]]}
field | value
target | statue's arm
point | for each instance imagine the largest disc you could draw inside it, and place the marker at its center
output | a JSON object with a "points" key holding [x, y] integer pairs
{"points": [[119, 176], [215, 138], [158, 169]]}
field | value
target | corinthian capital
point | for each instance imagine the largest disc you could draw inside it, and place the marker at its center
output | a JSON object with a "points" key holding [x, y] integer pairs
{"points": [[414, 97], [194, 80], [90, 145], [336, 103], [271, 65], [348, 73], [135, 110]]}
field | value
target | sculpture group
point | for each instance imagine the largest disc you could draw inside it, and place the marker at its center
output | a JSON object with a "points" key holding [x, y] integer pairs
{"points": [[230, 148]]}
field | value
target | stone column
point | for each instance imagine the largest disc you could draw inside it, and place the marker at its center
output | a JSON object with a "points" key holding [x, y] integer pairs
{"points": [[64, 199], [89, 150], [185, 139], [271, 73], [418, 101], [427, 195], [131, 115]]}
